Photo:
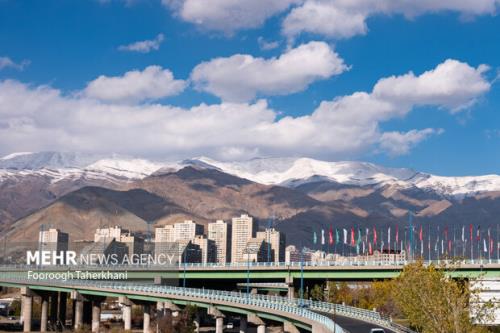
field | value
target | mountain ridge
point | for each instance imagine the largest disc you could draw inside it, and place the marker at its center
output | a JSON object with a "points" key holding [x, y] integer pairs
{"points": [[288, 172]]}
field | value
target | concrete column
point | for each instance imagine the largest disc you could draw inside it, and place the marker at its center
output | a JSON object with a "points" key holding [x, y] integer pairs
{"points": [[291, 288], [127, 317], [44, 315], [78, 313], [261, 329], [96, 315], [159, 309], [288, 327], [243, 325], [127, 312], [27, 306], [146, 322], [219, 325]]}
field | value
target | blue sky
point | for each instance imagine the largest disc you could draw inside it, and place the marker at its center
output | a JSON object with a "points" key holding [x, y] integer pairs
{"points": [[53, 52]]}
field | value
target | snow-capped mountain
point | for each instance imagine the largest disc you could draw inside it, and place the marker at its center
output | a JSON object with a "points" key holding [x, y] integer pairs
{"points": [[293, 172], [290, 172]]}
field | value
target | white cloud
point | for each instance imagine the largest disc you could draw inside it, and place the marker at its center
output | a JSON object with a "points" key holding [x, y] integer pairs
{"points": [[228, 15], [265, 45], [400, 143], [42, 118], [6, 62], [347, 18], [144, 46], [243, 77], [323, 18], [135, 86], [452, 84]]}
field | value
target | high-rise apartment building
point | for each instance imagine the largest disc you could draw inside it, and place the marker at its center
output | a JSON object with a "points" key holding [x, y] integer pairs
{"points": [[164, 239], [207, 248], [243, 229], [220, 233], [108, 234], [135, 244], [274, 245], [53, 240], [187, 230]]}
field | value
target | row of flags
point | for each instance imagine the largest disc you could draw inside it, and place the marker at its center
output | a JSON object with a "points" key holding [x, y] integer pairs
{"points": [[414, 239]]}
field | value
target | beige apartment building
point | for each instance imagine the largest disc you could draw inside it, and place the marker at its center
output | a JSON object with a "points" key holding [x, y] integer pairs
{"points": [[220, 233], [243, 229]]}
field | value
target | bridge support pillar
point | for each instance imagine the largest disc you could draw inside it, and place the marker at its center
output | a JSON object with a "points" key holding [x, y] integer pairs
{"points": [[243, 325], [77, 309], [27, 308], [127, 312], [256, 320], [96, 315], [146, 322], [291, 288], [288, 327], [219, 318], [44, 315], [219, 324]]}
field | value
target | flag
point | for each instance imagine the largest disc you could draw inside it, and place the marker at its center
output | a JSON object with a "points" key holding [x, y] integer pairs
{"points": [[330, 235], [478, 233], [421, 234], [322, 236], [370, 250], [397, 234], [470, 229], [353, 242], [375, 236], [337, 236], [315, 238], [389, 237], [345, 236], [359, 236], [485, 247], [463, 234], [449, 246]]}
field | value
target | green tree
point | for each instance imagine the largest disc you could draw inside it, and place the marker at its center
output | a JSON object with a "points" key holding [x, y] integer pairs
{"points": [[434, 303]]}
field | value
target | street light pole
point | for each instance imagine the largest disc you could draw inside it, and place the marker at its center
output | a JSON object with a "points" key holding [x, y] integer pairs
{"points": [[184, 275], [248, 272], [302, 276]]}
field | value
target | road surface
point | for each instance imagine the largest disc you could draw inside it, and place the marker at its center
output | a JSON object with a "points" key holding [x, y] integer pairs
{"points": [[356, 326]]}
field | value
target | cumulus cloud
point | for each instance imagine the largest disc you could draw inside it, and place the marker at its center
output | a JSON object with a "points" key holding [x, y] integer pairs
{"points": [[243, 77], [452, 84], [34, 118], [265, 45], [228, 16], [6, 62], [144, 46], [400, 143], [135, 86], [347, 18]]}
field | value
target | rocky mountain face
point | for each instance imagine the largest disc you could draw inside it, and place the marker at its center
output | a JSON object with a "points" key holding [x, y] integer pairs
{"points": [[78, 193]]}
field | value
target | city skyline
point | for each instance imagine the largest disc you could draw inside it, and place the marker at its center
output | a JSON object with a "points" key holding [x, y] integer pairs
{"points": [[344, 105]]}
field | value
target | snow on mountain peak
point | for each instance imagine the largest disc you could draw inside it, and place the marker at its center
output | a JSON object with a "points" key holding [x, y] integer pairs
{"points": [[126, 168], [271, 171]]}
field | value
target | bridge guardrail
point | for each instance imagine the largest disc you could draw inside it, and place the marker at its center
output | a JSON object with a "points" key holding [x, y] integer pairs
{"points": [[286, 265], [206, 294]]}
